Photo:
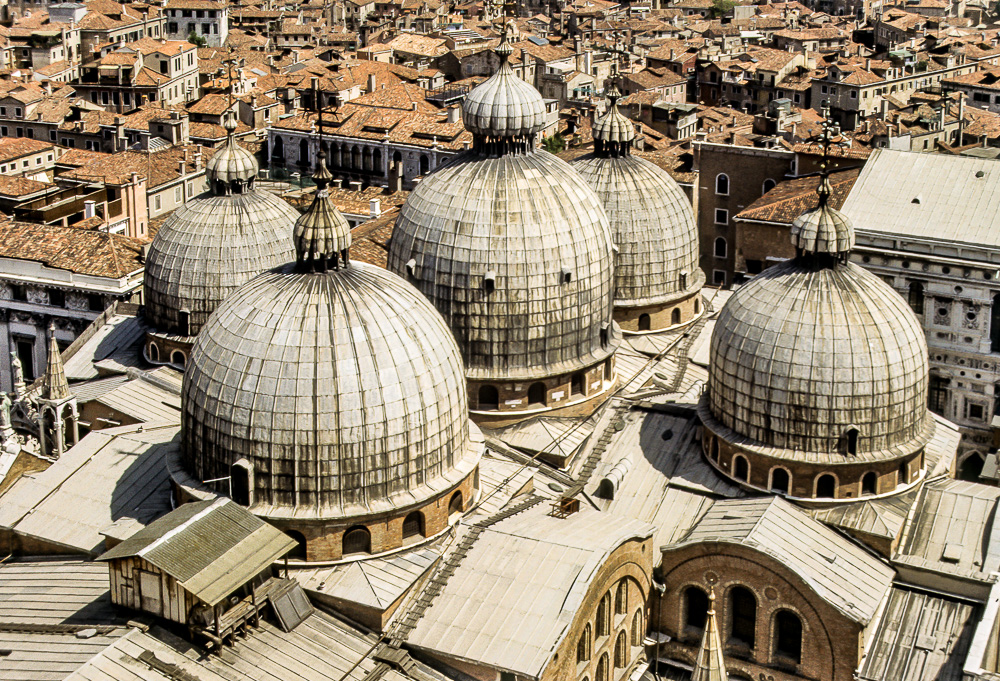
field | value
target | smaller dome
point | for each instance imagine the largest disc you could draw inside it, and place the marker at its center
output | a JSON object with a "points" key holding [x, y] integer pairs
{"points": [[231, 164], [613, 126], [824, 229], [504, 105], [322, 234]]}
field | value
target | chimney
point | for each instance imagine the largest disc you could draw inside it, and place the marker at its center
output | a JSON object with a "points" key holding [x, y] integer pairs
{"points": [[374, 207], [355, 185], [868, 64], [183, 167], [89, 209], [335, 183], [454, 113], [371, 82]]}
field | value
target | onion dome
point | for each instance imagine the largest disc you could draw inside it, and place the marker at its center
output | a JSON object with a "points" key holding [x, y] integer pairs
{"points": [[232, 167], [336, 383], [817, 352], [511, 246], [652, 220], [215, 243], [322, 234], [614, 128], [504, 106]]}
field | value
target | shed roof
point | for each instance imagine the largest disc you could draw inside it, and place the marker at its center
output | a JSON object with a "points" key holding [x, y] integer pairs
{"points": [[842, 573], [210, 547]]}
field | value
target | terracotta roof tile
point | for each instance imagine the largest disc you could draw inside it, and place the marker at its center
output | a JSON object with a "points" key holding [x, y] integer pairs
{"points": [[94, 253]]}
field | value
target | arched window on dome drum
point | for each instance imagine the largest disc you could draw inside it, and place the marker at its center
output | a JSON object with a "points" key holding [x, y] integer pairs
{"points": [[788, 636], [241, 481], [177, 357], [413, 525], [154, 352], [621, 651], [675, 316], [637, 629], [583, 645], [852, 441], [715, 449], [184, 322], [602, 668], [780, 481], [576, 384], [826, 486], [605, 335], [604, 616], [455, 505], [357, 540], [768, 186], [904, 473], [720, 248], [742, 617], [489, 397], [869, 483], [741, 468], [644, 322], [683, 280], [915, 297], [537, 394], [621, 598], [697, 306], [299, 551], [722, 184], [695, 607]]}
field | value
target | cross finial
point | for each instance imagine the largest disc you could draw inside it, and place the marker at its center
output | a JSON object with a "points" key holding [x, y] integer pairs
{"points": [[230, 62], [830, 130]]}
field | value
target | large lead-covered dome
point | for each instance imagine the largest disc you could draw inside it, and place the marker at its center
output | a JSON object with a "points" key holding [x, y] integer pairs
{"points": [[511, 246], [651, 218], [215, 243], [817, 347], [338, 385]]}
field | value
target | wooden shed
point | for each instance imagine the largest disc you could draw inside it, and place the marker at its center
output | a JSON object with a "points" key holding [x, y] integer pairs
{"points": [[206, 565]]}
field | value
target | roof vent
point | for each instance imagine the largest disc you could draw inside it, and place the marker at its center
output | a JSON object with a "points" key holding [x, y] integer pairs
{"points": [[980, 173], [916, 200]]}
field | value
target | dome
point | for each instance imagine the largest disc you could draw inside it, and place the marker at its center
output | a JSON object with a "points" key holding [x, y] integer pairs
{"points": [[341, 390], [516, 254], [208, 248], [232, 163], [651, 219], [804, 352], [504, 105], [613, 127], [215, 243], [816, 352]]}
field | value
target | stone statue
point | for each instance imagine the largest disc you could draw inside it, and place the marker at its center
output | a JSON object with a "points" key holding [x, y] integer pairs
{"points": [[16, 368], [5, 403]]}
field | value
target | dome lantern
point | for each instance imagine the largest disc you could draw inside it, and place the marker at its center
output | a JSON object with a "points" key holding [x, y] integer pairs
{"points": [[233, 169], [613, 133], [322, 235], [504, 113]]}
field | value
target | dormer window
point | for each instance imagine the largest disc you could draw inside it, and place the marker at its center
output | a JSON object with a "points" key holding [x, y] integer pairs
{"points": [[566, 276]]}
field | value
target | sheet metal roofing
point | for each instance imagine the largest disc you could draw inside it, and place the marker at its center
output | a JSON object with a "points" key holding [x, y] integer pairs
{"points": [[927, 196], [210, 547], [58, 591], [842, 573], [953, 530], [513, 597], [109, 475], [920, 636]]}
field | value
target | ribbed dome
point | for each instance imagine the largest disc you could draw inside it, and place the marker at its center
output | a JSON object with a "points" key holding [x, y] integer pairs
{"points": [[516, 254], [208, 248], [613, 126], [343, 390], [322, 234], [653, 226], [811, 347], [232, 167], [824, 229], [504, 105]]}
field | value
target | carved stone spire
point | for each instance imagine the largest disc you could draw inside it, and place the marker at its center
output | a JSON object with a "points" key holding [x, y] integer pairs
{"points": [[710, 665]]}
